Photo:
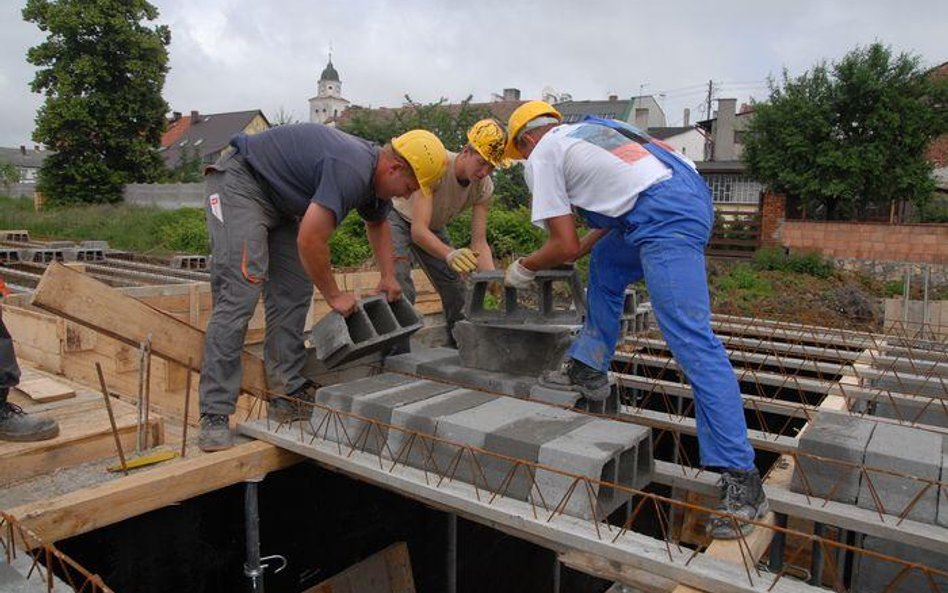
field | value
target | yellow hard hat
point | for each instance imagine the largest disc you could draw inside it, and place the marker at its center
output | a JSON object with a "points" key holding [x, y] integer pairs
{"points": [[426, 155], [489, 139], [520, 117]]}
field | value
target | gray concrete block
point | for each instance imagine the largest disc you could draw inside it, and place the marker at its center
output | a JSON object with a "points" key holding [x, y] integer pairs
{"points": [[342, 428], [375, 326], [910, 452], [557, 397], [422, 417], [380, 405], [189, 262], [522, 439], [515, 385], [514, 348], [924, 411], [410, 361], [42, 256], [912, 384], [514, 309], [832, 436], [92, 244], [89, 254], [9, 256], [19, 236], [471, 427], [874, 575], [603, 450]]}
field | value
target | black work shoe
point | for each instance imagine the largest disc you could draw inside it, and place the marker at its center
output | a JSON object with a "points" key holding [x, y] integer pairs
{"points": [[294, 406], [17, 425], [742, 495], [215, 433], [578, 376]]}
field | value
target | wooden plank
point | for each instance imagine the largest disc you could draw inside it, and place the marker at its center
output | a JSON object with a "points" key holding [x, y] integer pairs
{"points": [[614, 571], [104, 504], [520, 519], [84, 435], [89, 302], [46, 390], [388, 571]]}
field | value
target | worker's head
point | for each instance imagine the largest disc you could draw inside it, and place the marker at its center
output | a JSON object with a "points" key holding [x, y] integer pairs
{"points": [[528, 123], [486, 141], [416, 160]]}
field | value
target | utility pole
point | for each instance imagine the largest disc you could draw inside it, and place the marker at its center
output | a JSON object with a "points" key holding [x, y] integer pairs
{"points": [[707, 109]]}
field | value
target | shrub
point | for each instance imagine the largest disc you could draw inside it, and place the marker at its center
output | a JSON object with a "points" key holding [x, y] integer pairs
{"points": [[183, 230], [744, 279], [777, 260], [349, 245]]}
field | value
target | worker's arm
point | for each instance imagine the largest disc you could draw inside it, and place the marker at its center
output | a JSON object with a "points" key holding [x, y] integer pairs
{"points": [[485, 258], [316, 228], [421, 234], [561, 246], [589, 241], [380, 238]]}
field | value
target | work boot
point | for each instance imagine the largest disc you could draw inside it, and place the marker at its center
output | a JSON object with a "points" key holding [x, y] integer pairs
{"points": [[742, 495], [17, 425], [578, 376], [215, 433], [294, 406]]}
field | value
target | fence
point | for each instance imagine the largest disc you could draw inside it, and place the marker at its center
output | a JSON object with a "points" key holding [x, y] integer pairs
{"points": [[736, 233], [167, 196]]}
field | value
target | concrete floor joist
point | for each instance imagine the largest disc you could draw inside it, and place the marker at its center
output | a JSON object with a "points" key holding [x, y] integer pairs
{"points": [[767, 346], [519, 519], [806, 384]]}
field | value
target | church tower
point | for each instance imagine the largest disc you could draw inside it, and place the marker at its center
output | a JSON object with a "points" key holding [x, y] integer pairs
{"points": [[328, 102]]}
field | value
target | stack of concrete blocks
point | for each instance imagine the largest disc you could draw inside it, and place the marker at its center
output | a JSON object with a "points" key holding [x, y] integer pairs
{"points": [[578, 444], [376, 325], [879, 447], [929, 381], [189, 262], [9, 256], [19, 236]]}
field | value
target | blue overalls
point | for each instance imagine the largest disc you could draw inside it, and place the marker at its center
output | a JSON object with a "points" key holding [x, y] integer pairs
{"points": [[662, 238]]}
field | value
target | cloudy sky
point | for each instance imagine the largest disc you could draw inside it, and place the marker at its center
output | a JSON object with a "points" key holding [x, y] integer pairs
{"points": [[229, 55]]}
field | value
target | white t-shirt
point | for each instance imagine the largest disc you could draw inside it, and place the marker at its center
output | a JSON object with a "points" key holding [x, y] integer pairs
{"points": [[589, 166]]}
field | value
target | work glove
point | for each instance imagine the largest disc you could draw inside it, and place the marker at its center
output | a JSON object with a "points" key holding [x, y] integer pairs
{"points": [[518, 276], [462, 260]]}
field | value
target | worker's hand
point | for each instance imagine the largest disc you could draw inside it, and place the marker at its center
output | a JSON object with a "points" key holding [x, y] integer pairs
{"points": [[518, 276], [391, 288], [462, 261], [343, 303]]}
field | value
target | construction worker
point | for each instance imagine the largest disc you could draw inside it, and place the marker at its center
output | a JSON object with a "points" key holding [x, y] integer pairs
{"points": [[418, 222], [15, 424], [272, 205], [651, 216]]}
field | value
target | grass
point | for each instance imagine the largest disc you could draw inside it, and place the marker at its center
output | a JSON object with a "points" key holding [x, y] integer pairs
{"points": [[132, 228]]}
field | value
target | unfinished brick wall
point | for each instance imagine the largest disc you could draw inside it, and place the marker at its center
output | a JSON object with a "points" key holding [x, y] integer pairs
{"points": [[926, 243], [773, 213]]}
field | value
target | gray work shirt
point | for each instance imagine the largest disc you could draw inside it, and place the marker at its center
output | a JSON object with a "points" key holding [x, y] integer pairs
{"points": [[306, 163]]}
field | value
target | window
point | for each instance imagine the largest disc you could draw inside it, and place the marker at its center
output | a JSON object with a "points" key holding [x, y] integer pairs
{"points": [[739, 136], [733, 188]]}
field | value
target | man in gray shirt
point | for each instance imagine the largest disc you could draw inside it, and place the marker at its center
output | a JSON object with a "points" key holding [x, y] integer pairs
{"points": [[272, 204]]}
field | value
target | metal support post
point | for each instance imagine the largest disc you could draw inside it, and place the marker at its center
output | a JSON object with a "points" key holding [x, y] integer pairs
{"points": [[252, 567], [778, 545], [451, 555], [816, 565]]}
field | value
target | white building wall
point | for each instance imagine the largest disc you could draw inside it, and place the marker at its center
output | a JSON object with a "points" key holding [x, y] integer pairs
{"points": [[690, 144]]}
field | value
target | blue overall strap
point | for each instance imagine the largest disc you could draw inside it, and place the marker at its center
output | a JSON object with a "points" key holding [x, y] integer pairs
{"points": [[667, 157]]}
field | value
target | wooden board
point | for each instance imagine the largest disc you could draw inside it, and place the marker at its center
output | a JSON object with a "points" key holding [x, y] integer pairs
{"points": [[85, 434], [104, 504], [388, 571], [89, 302], [46, 390]]}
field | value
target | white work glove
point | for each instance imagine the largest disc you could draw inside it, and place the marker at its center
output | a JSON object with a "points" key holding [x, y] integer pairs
{"points": [[518, 276], [462, 260]]}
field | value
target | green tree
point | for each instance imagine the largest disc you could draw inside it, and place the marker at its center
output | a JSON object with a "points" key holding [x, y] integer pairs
{"points": [[102, 70], [510, 187], [188, 168], [9, 175], [845, 136]]}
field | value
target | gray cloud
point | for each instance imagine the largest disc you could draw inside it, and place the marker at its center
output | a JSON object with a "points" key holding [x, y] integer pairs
{"points": [[242, 54]]}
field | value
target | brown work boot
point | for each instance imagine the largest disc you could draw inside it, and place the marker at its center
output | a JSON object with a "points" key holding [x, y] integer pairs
{"points": [[215, 433], [742, 495], [17, 425], [295, 406], [578, 376]]}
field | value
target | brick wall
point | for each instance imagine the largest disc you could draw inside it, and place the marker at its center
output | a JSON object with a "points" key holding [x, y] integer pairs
{"points": [[924, 243], [773, 211]]}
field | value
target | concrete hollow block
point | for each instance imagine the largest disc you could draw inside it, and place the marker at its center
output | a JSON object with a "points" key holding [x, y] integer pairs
{"points": [[835, 437], [521, 348], [875, 575], [341, 427], [420, 355], [374, 326], [909, 452]]}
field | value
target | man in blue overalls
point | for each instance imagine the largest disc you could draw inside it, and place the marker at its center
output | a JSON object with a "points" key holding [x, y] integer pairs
{"points": [[651, 215]]}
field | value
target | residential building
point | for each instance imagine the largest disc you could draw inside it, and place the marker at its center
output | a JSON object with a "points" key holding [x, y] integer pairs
{"points": [[206, 135], [688, 140], [722, 167], [27, 161], [328, 104], [643, 111]]}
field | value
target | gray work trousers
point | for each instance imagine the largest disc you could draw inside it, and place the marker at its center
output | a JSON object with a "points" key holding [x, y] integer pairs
{"points": [[447, 282], [253, 250], [9, 369]]}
